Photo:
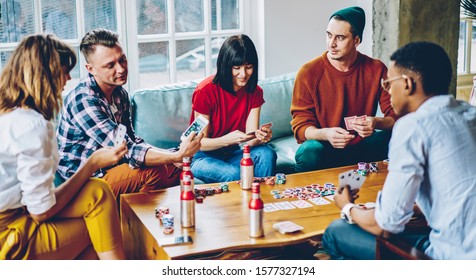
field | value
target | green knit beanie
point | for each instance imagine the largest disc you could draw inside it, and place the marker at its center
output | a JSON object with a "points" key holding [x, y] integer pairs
{"points": [[355, 16]]}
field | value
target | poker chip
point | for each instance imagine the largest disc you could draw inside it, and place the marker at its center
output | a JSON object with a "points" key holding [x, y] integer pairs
{"points": [[224, 187], [210, 191], [160, 211], [373, 167], [168, 230], [199, 199]]}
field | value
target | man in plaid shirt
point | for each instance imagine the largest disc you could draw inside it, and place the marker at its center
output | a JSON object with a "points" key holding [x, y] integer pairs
{"points": [[91, 114]]}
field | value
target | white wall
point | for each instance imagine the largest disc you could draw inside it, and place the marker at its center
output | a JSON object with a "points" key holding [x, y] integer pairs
{"points": [[287, 35]]}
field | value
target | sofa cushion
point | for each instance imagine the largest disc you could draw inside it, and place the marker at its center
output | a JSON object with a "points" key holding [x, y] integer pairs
{"points": [[278, 92], [285, 148], [162, 114]]}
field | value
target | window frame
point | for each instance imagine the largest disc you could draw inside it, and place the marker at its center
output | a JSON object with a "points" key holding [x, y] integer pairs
{"points": [[126, 18]]}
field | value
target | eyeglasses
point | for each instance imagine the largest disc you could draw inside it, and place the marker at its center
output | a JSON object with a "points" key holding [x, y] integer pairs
{"points": [[386, 83]]}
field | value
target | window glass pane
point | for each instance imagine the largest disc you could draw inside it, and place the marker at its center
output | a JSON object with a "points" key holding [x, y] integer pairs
{"points": [[473, 49], [151, 17], [75, 75], [216, 45], [100, 13], [16, 20], [225, 14], [189, 15], [59, 18], [4, 56], [190, 60], [462, 47], [153, 64]]}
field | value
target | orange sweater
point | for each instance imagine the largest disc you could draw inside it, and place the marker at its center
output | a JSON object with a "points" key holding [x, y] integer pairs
{"points": [[323, 96]]}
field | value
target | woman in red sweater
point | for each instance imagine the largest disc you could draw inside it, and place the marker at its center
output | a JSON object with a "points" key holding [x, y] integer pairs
{"points": [[231, 100]]}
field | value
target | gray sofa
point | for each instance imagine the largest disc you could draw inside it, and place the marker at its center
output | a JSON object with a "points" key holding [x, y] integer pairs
{"points": [[160, 115]]}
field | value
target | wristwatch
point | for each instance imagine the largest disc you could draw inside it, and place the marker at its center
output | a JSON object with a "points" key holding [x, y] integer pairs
{"points": [[345, 213]]}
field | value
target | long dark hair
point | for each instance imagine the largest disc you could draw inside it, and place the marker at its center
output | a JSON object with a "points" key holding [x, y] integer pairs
{"points": [[237, 50]]}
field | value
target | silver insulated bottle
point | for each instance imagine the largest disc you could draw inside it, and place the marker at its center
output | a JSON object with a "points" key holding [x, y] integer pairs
{"points": [[187, 204], [256, 212]]}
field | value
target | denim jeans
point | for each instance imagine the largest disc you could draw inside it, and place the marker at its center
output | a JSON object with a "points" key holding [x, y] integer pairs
{"points": [[316, 155], [343, 241], [223, 165]]}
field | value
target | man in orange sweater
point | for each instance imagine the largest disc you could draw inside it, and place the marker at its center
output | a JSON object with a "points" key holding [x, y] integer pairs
{"points": [[341, 83]]}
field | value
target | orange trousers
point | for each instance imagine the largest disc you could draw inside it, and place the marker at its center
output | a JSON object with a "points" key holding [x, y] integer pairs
{"points": [[123, 179], [90, 219]]}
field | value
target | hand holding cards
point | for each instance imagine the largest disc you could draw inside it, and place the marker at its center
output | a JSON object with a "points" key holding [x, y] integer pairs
{"points": [[349, 121], [197, 126], [354, 180], [268, 125]]}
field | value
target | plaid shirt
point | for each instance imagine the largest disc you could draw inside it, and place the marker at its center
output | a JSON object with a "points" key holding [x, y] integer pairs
{"points": [[88, 123]]}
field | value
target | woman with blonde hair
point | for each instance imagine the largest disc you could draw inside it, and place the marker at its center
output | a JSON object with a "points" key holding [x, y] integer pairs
{"points": [[79, 219]]}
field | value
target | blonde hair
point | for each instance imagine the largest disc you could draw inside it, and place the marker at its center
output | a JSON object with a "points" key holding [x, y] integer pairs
{"points": [[34, 74]]}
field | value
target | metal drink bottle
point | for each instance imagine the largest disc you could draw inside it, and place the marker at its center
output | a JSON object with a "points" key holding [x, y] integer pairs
{"points": [[256, 212], [246, 169], [187, 203], [186, 172]]}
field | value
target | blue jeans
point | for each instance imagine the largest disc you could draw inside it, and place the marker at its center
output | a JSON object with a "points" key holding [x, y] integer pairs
{"points": [[316, 155], [343, 241], [223, 165]]}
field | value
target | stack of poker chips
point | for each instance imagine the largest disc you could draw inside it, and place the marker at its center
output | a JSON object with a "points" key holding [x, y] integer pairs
{"points": [[161, 211], [373, 167], [270, 181], [280, 178], [168, 221], [201, 193], [362, 168]]}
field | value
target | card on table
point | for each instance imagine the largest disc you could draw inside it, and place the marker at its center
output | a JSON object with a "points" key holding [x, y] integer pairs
{"points": [[287, 226], [285, 205], [269, 207], [319, 201], [301, 203]]}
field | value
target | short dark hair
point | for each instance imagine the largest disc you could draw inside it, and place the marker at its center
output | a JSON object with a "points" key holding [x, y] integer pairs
{"points": [[428, 60], [98, 36], [237, 50]]}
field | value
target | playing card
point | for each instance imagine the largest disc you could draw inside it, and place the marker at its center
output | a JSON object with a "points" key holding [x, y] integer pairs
{"points": [[301, 203], [120, 135], [287, 226], [269, 207], [356, 181], [285, 205], [319, 201], [330, 197], [349, 122], [344, 177], [361, 118]]}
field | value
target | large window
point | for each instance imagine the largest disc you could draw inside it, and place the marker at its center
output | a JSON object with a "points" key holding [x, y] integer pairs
{"points": [[467, 46], [166, 41]]}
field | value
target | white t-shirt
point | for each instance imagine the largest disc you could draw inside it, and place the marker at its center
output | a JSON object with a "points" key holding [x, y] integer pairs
{"points": [[28, 161]]}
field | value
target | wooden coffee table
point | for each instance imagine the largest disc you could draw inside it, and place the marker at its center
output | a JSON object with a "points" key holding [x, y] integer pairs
{"points": [[222, 219]]}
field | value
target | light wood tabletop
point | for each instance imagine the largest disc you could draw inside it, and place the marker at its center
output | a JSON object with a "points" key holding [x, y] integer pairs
{"points": [[222, 219]]}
